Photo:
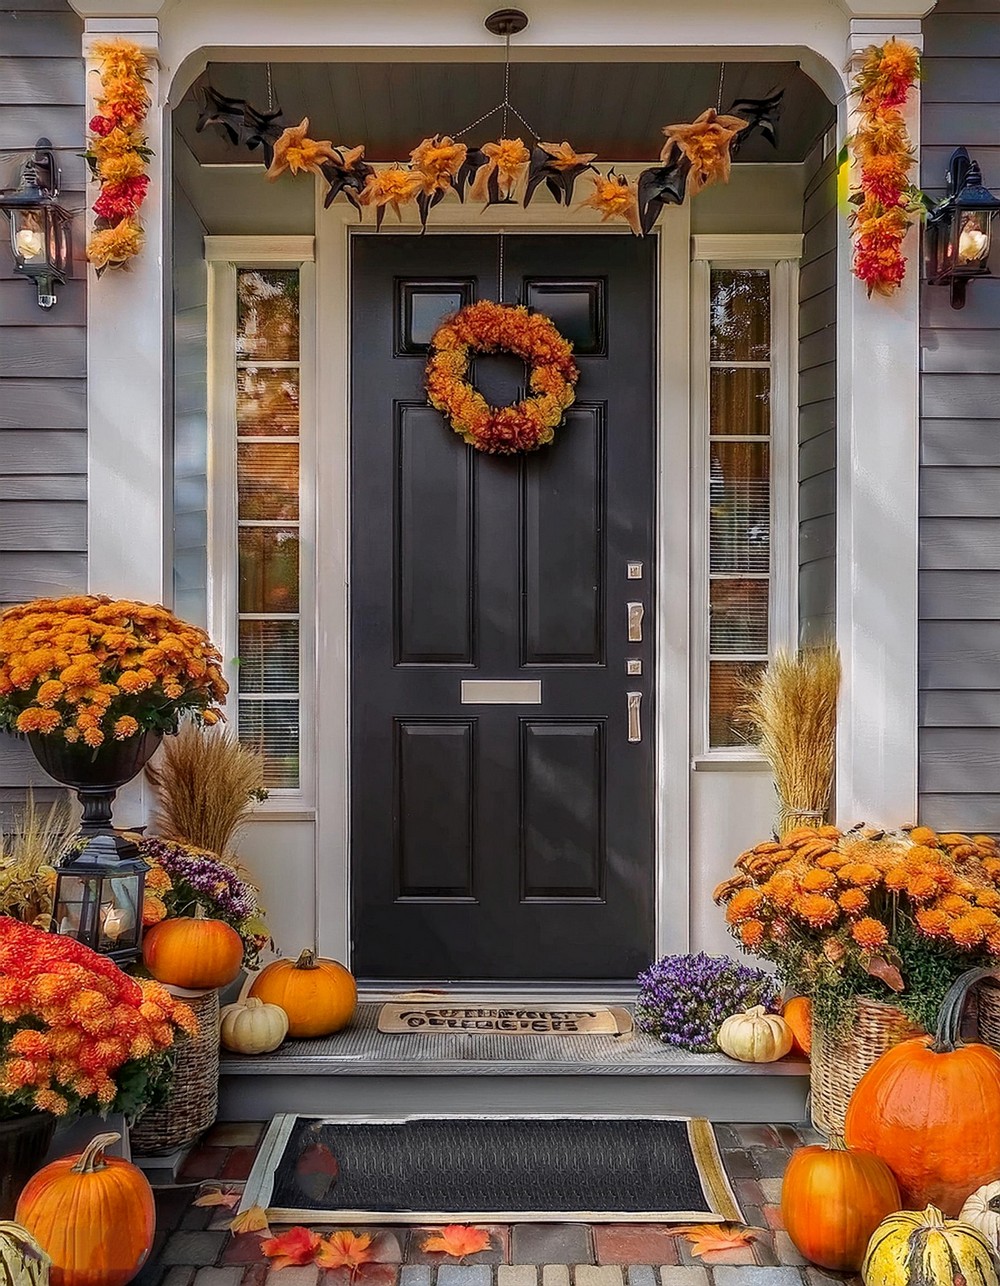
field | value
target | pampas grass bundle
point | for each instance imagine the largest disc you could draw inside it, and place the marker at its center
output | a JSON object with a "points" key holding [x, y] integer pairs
{"points": [[29, 853], [206, 785], [793, 707]]}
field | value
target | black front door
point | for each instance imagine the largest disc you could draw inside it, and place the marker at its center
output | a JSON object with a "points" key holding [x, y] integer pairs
{"points": [[502, 831]]}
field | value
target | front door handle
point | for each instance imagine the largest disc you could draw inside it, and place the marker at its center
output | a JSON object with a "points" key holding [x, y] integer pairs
{"points": [[635, 611], [634, 723]]}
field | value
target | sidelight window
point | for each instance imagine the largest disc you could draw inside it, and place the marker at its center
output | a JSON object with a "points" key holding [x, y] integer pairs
{"points": [[261, 522], [744, 595]]}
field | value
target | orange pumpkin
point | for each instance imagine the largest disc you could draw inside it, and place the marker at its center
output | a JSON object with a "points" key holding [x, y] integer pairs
{"points": [[797, 1013], [930, 1108], [319, 996], [92, 1214], [193, 952], [832, 1200]]}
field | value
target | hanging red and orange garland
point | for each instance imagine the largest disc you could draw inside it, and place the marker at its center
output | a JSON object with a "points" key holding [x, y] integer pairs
{"points": [[117, 154], [486, 327], [885, 202]]}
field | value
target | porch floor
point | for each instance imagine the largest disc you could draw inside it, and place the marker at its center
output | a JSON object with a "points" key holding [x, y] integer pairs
{"points": [[194, 1248]]}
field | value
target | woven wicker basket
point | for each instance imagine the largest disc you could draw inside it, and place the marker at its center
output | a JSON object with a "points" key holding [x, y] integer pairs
{"points": [[193, 1100], [988, 1016], [838, 1062]]}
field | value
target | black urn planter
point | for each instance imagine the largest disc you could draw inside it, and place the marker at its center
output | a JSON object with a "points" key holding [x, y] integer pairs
{"points": [[24, 1141], [96, 774]]}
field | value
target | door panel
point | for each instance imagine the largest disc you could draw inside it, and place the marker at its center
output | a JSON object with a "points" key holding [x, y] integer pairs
{"points": [[500, 840]]}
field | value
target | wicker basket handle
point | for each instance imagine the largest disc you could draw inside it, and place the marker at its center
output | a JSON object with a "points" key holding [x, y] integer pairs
{"points": [[946, 1038]]}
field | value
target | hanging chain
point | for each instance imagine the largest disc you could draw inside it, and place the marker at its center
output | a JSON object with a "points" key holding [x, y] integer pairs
{"points": [[502, 107], [722, 81], [270, 89], [500, 268]]}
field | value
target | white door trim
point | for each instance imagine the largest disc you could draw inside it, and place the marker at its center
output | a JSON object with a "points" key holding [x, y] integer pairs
{"points": [[334, 229]]}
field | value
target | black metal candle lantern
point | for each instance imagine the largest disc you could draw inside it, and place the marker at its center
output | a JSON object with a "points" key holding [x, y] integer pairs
{"points": [[959, 229], [39, 226]]}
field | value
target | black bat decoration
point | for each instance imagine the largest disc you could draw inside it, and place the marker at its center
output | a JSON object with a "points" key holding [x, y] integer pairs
{"points": [[226, 113], [261, 129], [761, 114], [559, 180], [349, 182], [426, 201], [659, 186], [475, 159]]}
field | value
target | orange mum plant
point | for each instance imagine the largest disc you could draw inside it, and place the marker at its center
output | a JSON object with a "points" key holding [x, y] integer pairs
{"points": [[87, 668], [895, 916], [117, 153], [77, 1034], [884, 200]]}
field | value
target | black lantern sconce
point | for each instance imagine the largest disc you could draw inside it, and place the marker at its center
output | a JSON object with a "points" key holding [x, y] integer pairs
{"points": [[39, 226], [959, 229]]}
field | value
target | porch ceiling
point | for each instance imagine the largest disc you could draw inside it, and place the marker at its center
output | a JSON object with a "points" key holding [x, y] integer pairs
{"points": [[615, 109]]}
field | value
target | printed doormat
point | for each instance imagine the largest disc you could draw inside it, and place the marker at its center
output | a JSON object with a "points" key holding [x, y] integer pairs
{"points": [[504, 1020], [429, 1169]]}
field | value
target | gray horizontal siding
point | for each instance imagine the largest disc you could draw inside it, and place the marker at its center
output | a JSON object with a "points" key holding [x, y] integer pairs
{"points": [[43, 400], [817, 361], [959, 629]]}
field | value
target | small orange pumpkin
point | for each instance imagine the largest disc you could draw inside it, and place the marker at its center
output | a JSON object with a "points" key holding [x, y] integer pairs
{"points": [[930, 1108], [832, 1200], [797, 1013], [319, 996], [193, 952], [92, 1214]]}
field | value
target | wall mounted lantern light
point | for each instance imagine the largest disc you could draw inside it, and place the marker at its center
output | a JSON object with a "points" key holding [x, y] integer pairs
{"points": [[958, 234], [39, 226]]}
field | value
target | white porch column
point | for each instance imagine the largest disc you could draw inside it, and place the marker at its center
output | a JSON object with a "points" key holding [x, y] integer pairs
{"points": [[877, 458], [128, 536]]}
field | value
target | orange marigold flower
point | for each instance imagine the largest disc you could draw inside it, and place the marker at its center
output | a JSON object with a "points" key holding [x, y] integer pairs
{"points": [[869, 934], [923, 835], [921, 887], [817, 881], [126, 726], [37, 720], [154, 910], [861, 874], [744, 906], [752, 933], [954, 904], [853, 901], [32, 1044], [816, 909], [831, 861], [94, 737], [50, 692], [50, 1101], [966, 931], [932, 922]]}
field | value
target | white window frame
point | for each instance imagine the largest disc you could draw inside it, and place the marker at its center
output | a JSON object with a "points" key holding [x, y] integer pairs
{"points": [[780, 254], [225, 256]]}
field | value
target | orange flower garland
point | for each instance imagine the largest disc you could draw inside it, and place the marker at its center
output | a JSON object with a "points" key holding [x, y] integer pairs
{"points": [[77, 1034], [88, 668], [486, 327], [884, 199], [117, 154]]}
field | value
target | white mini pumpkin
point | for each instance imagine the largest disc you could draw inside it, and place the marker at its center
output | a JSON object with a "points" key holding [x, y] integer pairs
{"points": [[252, 1027], [982, 1210], [755, 1036]]}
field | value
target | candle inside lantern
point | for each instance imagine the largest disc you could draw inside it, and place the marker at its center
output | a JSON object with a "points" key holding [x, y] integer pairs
{"points": [[116, 921], [972, 243], [29, 243]]}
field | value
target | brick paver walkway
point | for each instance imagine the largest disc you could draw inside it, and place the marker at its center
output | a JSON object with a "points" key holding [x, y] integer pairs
{"points": [[193, 1247]]}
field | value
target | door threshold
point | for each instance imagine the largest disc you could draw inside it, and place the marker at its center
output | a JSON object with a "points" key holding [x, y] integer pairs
{"points": [[609, 992]]}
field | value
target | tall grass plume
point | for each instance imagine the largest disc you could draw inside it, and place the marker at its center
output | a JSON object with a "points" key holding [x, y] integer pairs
{"points": [[28, 854], [792, 705]]}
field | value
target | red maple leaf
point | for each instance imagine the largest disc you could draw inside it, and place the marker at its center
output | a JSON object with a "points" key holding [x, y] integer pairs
{"points": [[457, 1240], [296, 1246]]}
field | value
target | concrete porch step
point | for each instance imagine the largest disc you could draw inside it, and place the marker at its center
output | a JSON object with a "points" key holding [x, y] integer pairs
{"points": [[362, 1070]]}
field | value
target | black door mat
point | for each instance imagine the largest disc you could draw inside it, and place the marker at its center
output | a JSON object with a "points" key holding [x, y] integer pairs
{"points": [[424, 1169]]}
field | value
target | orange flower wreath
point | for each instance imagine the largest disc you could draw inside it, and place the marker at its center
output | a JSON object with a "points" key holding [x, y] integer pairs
{"points": [[486, 327]]}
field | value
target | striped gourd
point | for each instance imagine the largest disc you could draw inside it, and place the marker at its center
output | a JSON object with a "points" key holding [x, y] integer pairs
{"points": [[922, 1248], [22, 1260]]}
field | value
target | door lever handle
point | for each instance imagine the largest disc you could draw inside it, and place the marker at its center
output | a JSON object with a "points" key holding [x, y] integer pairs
{"points": [[635, 611], [634, 725]]}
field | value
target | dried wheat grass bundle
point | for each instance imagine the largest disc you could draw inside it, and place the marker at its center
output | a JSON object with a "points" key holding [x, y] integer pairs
{"points": [[28, 854], [206, 786], [793, 707]]}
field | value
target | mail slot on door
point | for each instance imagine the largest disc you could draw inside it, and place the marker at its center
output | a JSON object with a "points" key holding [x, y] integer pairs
{"points": [[501, 692]]}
